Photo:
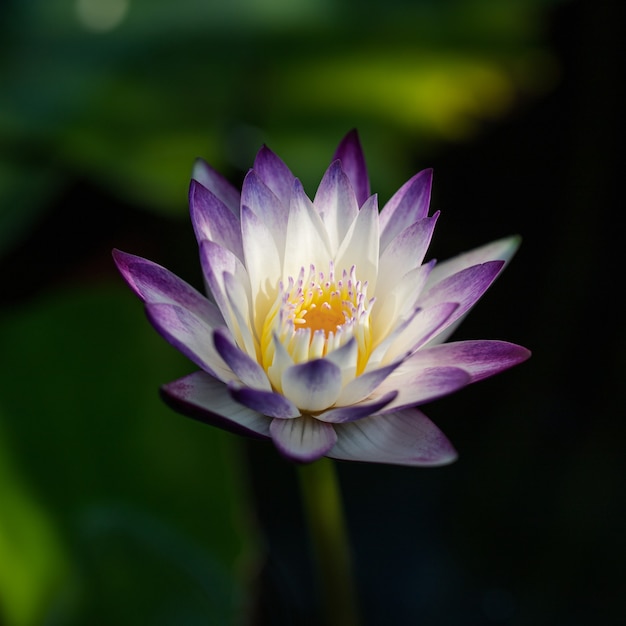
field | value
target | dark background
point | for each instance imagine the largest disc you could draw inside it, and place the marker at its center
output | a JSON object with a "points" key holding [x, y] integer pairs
{"points": [[115, 510]]}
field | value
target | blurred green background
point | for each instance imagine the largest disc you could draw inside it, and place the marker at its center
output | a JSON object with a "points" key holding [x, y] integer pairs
{"points": [[114, 510]]}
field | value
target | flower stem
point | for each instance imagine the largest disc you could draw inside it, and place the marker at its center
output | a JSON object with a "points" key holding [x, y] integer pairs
{"points": [[324, 512]]}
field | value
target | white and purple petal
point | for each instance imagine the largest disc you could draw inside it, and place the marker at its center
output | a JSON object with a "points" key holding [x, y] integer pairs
{"points": [[275, 174], [336, 204], [350, 153], [304, 439], [190, 335], [408, 205], [217, 184], [249, 372], [418, 386], [405, 437], [213, 220], [268, 403], [312, 385], [479, 358], [206, 399], [358, 411]]}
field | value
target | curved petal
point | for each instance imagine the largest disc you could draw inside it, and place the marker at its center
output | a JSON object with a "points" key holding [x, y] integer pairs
{"points": [[153, 283], [275, 174], [307, 241], [304, 439], [336, 204], [313, 385], [360, 245], [406, 251], [363, 385], [356, 411], [217, 263], [212, 219], [350, 153], [465, 287], [264, 203], [479, 358], [268, 403], [500, 250], [216, 184], [190, 335], [403, 438], [419, 386], [406, 206], [249, 372], [206, 399], [425, 324]]}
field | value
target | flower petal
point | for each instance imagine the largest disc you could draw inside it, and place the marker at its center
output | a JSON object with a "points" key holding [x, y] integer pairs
{"points": [[356, 411], [263, 260], [350, 153], [307, 240], [425, 324], [313, 385], [360, 245], [268, 403], [264, 203], [249, 372], [212, 219], [409, 204], [336, 204], [153, 283], [419, 386], [216, 184], [275, 174], [406, 251], [204, 398], [304, 439], [363, 385], [190, 335], [465, 287], [405, 437], [500, 250], [479, 358], [217, 263]]}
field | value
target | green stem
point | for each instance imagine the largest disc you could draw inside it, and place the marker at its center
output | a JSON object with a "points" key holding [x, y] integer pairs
{"points": [[321, 498]]}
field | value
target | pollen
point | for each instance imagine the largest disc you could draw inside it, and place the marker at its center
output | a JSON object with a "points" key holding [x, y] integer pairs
{"points": [[316, 313]]}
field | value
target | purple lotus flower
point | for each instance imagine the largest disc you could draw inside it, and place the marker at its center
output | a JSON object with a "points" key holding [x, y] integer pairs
{"points": [[325, 329]]}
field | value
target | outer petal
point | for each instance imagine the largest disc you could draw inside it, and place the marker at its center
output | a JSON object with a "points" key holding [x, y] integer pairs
{"points": [[500, 250], [204, 398], [313, 385], [264, 203], [213, 220], [336, 204], [465, 287], [350, 153], [216, 184], [403, 438], [268, 403], [153, 283], [480, 359], [304, 439], [407, 250], [190, 335], [407, 205], [356, 411], [421, 386], [249, 372], [275, 174]]}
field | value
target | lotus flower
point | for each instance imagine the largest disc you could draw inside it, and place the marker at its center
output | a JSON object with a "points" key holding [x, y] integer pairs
{"points": [[325, 327]]}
